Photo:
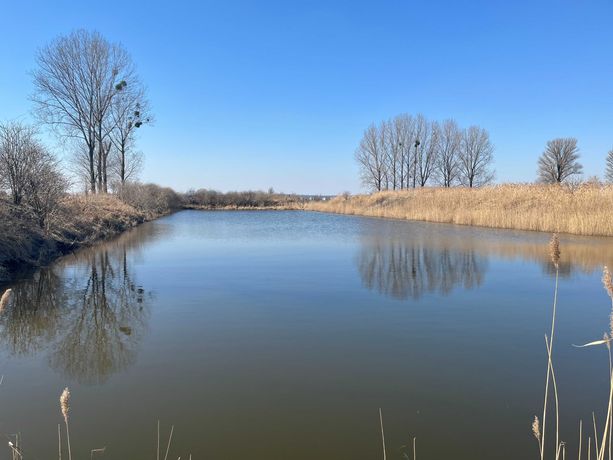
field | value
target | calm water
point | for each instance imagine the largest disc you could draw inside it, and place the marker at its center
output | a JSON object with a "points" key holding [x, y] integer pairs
{"points": [[278, 335]]}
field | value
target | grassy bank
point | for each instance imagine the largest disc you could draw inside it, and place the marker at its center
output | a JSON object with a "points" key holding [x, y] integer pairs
{"points": [[580, 210], [79, 221]]}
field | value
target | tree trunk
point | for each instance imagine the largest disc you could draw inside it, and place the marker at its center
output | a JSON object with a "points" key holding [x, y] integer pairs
{"points": [[92, 173]]}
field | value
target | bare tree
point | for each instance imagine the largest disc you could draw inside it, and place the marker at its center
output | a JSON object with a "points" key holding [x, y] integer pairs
{"points": [[449, 141], [371, 159], [76, 79], [389, 143], [426, 151], [17, 158], [383, 136], [609, 170], [476, 157], [30, 172], [559, 161], [402, 137], [129, 111], [45, 190], [418, 133]]}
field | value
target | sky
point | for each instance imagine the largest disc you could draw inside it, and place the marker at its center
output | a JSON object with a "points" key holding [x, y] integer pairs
{"points": [[252, 95]]}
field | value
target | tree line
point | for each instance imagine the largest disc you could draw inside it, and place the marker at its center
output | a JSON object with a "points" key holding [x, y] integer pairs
{"points": [[411, 151]]}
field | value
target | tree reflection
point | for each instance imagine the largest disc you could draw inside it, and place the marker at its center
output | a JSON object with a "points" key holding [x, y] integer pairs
{"points": [[88, 310], [104, 323], [34, 316], [407, 268]]}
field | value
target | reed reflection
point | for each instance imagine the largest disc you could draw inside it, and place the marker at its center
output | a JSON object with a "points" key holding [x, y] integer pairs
{"points": [[405, 261], [88, 311]]}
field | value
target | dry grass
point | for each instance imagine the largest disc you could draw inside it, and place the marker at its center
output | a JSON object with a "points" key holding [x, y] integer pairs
{"points": [[80, 221], [84, 219], [580, 210]]}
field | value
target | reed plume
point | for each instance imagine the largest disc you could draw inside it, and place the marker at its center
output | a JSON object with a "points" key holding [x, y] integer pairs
{"points": [[607, 282], [554, 249], [536, 429], [5, 299], [65, 408]]}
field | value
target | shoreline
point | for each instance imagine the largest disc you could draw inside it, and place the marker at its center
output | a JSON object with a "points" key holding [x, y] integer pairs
{"points": [[583, 210], [88, 221]]}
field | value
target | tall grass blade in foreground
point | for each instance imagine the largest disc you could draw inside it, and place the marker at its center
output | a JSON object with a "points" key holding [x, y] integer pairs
{"points": [[382, 433], [554, 252]]}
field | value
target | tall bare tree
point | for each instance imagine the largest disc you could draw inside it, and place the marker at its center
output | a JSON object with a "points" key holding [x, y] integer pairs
{"points": [[402, 136], [449, 141], [76, 79], [559, 161], [130, 110], [476, 157], [609, 170], [390, 144], [371, 159], [418, 134], [427, 151]]}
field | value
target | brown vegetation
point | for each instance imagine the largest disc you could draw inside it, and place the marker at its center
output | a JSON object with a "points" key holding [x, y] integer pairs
{"points": [[211, 199], [78, 221], [584, 209]]}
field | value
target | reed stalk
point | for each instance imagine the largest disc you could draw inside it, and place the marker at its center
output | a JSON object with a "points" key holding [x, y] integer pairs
{"points": [[172, 429], [554, 250], [382, 434], [580, 437]]}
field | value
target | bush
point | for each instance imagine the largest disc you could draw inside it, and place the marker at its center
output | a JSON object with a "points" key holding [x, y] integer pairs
{"points": [[150, 199]]}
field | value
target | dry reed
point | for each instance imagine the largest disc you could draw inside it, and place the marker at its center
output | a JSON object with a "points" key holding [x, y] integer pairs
{"points": [[382, 434], [65, 408], [5, 299], [582, 210]]}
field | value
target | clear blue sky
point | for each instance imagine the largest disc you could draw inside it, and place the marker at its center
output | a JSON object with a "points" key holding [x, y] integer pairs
{"points": [[277, 93]]}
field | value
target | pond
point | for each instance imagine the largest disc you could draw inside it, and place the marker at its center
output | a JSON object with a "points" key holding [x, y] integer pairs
{"points": [[280, 334]]}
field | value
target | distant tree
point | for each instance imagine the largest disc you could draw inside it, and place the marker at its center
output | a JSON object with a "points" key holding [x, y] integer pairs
{"points": [[30, 172], [427, 152], [17, 158], [371, 158], [416, 147], [609, 170], [476, 157], [449, 142], [76, 81], [559, 161], [45, 191], [402, 137]]}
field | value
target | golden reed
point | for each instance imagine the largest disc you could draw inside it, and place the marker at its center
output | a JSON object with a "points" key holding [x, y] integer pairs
{"points": [[581, 210]]}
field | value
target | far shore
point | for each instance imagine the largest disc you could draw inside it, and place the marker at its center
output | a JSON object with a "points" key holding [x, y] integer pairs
{"points": [[585, 209]]}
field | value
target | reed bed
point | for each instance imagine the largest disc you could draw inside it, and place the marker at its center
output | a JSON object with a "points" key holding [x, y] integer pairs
{"points": [[584, 209], [602, 437]]}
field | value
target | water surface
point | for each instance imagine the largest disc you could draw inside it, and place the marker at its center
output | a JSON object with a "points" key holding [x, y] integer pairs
{"points": [[276, 335]]}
